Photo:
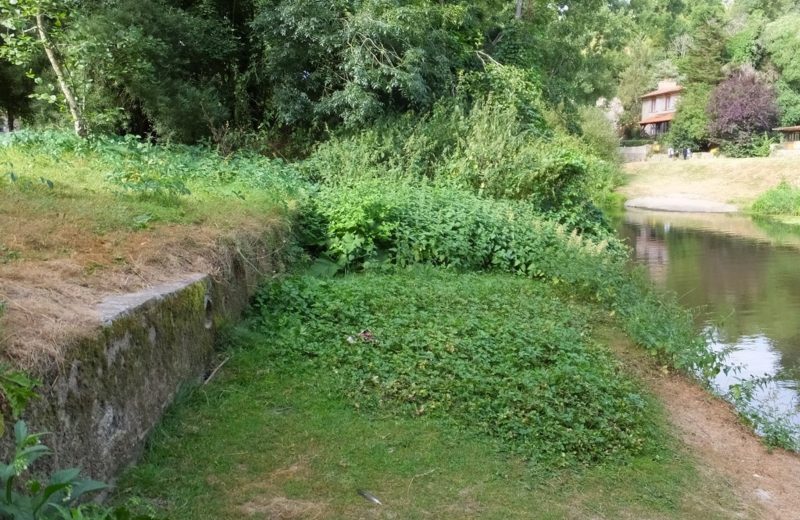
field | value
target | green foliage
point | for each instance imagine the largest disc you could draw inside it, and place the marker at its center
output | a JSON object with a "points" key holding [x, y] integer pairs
{"points": [[40, 500], [357, 61], [788, 103], [368, 222], [168, 71], [492, 140], [749, 145], [706, 53], [783, 199], [777, 429], [690, 126], [454, 346], [746, 47], [782, 39], [599, 133], [16, 390], [145, 168], [375, 223], [636, 142]]}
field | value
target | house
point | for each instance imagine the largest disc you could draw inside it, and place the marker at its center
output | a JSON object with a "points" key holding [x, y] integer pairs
{"points": [[790, 137], [658, 108]]}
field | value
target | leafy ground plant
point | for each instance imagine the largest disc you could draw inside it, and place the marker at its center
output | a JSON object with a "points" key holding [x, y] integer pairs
{"points": [[389, 384], [41, 500], [451, 346], [25, 497]]}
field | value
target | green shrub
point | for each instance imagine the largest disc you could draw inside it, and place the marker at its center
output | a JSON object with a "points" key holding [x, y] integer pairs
{"points": [[480, 151], [783, 199], [636, 142], [599, 133], [375, 223]]}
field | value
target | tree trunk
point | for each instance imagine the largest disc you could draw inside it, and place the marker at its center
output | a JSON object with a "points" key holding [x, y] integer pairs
{"points": [[72, 104], [10, 120], [518, 14]]}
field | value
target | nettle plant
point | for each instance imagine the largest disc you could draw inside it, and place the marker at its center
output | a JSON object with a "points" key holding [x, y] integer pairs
{"points": [[37, 499], [24, 496]]}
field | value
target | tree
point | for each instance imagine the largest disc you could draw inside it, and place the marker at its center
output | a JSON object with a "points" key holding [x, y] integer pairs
{"points": [[31, 23], [741, 109], [353, 62], [150, 68], [14, 96], [689, 129], [782, 39], [706, 52]]}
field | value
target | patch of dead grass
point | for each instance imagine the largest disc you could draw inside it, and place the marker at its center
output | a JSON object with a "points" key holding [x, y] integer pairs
{"points": [[734, 181], [282, 508], [53, 290]]}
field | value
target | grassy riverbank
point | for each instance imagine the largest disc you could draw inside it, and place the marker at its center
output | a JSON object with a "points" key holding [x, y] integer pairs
{"points": [[470, 396], [486, 346]]}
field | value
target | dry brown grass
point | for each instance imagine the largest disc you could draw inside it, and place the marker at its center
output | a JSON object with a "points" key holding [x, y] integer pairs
{"points": [[62, 274], [734, 181]]}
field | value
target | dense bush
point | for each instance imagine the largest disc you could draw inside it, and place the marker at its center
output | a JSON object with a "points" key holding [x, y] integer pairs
{"points": [[784, 199], [599, 134], [741, 109], [496, 354], [375, 223], [690, 127], [493, 140]]}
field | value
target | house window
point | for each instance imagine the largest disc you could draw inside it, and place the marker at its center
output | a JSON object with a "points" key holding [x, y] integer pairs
{"points": [[653, 105], [667, 102]]}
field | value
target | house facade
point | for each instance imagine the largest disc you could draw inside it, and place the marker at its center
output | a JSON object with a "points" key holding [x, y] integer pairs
{"points": [[658, 108], [790, 137]]}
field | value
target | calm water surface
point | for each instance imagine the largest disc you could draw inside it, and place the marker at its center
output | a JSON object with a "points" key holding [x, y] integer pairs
{"points": [[744, 280]]}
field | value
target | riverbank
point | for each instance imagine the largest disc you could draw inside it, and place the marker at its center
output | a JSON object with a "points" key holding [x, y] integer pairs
{"points": [[721, 181], [443, 395]]}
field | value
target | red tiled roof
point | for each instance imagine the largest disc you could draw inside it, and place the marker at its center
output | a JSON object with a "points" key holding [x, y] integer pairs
{"points": [[788, 129], [658, 118], [668, 90]]}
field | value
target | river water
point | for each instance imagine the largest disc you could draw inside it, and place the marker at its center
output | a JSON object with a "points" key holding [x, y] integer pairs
{"points": [[743, 279]]}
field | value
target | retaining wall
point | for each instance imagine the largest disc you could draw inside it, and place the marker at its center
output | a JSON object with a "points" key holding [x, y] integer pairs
{"points": [[112, 389]]}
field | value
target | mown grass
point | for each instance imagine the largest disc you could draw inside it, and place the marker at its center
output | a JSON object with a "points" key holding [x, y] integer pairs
{"points": [[287, 431]]}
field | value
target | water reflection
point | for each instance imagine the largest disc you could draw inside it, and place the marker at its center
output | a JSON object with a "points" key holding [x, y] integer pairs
{"points": [[744, 279]]}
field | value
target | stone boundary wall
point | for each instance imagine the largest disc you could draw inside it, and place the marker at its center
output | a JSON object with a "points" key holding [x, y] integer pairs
{"points": [[635, 153], [101, 403]]}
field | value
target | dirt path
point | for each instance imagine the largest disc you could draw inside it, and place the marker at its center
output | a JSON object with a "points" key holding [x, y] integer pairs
{"points": [[768, 482], [724, 181]]}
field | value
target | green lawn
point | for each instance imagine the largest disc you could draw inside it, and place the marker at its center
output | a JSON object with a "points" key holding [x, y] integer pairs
{"points": [[307, 412]]}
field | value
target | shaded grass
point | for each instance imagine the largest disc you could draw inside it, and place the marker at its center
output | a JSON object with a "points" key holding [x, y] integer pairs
{"points": [[274, 436]]}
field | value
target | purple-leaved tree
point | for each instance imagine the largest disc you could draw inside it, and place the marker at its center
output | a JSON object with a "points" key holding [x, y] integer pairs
{"points": [[741, 107]]}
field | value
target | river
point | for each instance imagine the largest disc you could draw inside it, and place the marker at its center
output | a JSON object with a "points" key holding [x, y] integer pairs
{"points": [[743, 279]]}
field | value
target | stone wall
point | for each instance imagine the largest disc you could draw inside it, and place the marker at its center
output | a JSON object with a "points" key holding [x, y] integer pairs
{"points": [[101, 403], [635, 153]]}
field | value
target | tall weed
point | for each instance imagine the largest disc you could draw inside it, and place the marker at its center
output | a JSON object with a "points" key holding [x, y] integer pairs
{"points": [[373, 223]]}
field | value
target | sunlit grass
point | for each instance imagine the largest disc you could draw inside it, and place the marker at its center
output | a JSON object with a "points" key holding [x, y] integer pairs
{"points": [[274, 437]]}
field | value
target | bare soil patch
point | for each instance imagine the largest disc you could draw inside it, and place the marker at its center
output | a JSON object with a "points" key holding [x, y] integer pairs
{"points": [[722, 180], [766, 480]]}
